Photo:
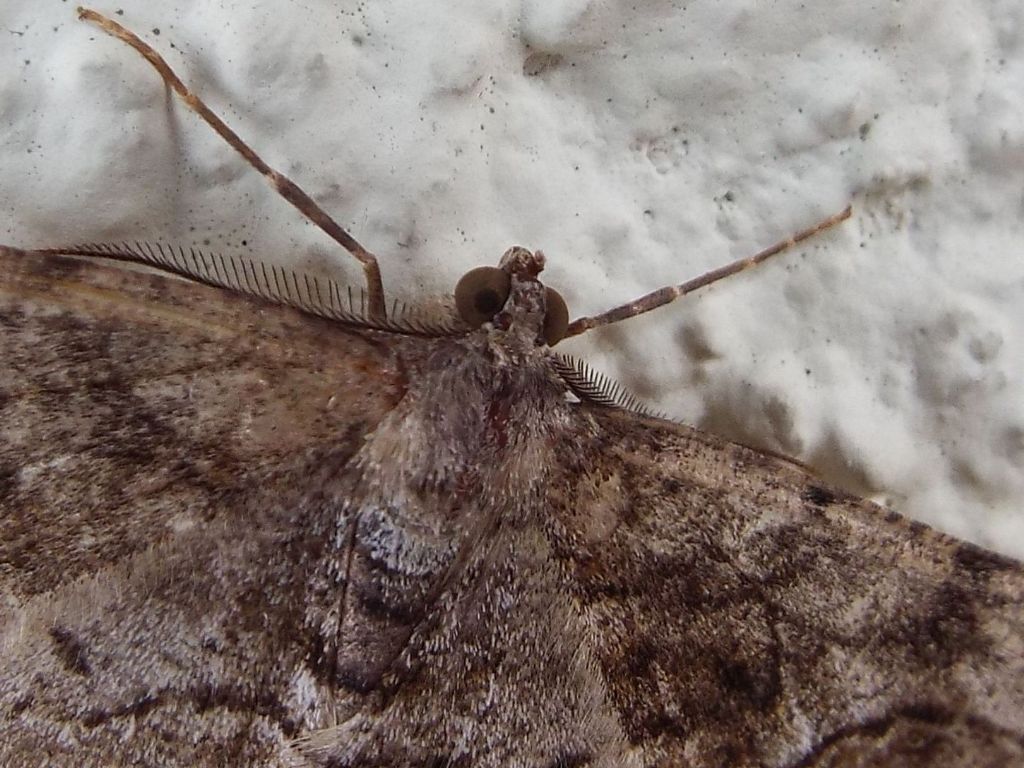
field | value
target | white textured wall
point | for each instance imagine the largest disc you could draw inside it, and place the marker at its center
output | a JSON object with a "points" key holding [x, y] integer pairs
{"points": [[637, 144]]}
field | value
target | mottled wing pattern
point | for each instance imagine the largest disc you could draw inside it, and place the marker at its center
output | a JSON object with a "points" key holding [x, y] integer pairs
{"points": [[744, 613], [196, 394], [236, 534], [159, 444]]}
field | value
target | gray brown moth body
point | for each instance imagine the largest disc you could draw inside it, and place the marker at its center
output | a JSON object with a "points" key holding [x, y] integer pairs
{"points": [[239, 526]]}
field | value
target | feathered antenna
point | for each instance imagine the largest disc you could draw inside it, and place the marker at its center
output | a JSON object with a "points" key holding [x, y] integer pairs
{"points": [[313, 295]]}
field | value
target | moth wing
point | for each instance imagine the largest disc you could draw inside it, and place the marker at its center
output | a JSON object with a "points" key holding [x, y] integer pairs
{"points": [[744, 613], [135, 405]]}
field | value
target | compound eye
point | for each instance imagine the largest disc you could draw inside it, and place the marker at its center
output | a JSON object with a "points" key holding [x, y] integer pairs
{"points": [[556, 320], [481, 293]]}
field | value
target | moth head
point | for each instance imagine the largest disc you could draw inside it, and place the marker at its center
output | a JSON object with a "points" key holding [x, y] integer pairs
{"points": [[511, 294]]}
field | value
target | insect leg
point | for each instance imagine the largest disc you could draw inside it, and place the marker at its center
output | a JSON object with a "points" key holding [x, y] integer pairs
{"points": [[663, 296], [285, 186]]}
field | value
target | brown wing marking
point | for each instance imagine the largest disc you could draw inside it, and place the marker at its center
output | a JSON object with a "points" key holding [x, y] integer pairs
{"points": [[744, 613], [133, 402]]}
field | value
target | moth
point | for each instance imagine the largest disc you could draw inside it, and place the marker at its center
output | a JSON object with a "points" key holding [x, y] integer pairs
{"points": [[248, 522]]}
